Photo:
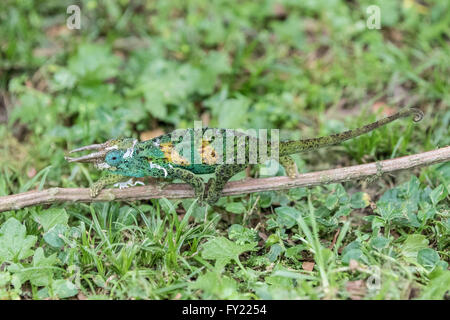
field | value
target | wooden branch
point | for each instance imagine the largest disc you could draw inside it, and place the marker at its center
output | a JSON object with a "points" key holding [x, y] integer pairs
{"points": [[54, 195]]}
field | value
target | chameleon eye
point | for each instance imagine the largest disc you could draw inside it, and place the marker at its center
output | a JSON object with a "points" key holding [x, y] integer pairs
{"points": [[114, 158]]}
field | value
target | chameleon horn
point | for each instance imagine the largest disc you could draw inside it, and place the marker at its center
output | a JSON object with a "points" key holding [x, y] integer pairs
{"points": [[92, 157], [90, 147]]}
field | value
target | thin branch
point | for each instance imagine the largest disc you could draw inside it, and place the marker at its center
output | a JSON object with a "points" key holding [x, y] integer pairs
{"points": [[54, 195]]}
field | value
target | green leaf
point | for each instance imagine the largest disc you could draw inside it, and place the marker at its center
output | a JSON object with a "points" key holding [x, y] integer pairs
{"points": [[233, 113], [438, 286], [438, 194], [287, 216], [64, 289], [331, 201], [53, 236], [275, 251], [379, 242], [235, 207], [343, 211], [14, 243], [354, 254], [359, 200], [223, 251], [242, 235], [41, 272], [216, 286], [428, 258], [412, 245], [94, 62], [51, 217], [272, 239], [389, 210]]}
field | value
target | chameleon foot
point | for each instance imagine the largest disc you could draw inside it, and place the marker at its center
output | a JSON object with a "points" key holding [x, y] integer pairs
{"points": [[127, 184], [105, 180], [94, 190], [289, 166]]}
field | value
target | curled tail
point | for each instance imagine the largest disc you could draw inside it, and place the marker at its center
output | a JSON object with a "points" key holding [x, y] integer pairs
{"points": [[297, 146]]}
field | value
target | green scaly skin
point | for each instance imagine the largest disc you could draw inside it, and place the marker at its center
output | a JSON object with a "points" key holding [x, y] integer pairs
{"points": [[158, 157]]}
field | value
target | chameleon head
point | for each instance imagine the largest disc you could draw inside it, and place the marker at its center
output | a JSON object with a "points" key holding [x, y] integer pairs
{"points": [[107, 154]]}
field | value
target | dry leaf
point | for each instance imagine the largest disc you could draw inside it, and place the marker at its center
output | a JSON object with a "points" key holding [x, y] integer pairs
{"points": [[147, 135], [262, 235], [81, 296], [177, 296], [31, 172], [308, 266], [357, 289], [353, 265]]}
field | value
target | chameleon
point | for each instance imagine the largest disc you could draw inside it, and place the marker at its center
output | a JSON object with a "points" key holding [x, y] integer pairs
{"points": [[161, 157]]}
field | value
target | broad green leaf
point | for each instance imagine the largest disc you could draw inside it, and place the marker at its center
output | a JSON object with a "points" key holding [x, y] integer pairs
{"points": [[14, 243], [64, 289], [389, 210], [218, 286], [343, 211], [51, 217], [412, 245], [379, 242], [275, 251], [53, 236], [233, 113], [242, 235], [272, 239], [438, 286], [438, 194], [235, 207], [287, 216], [94, 62], [354, 254], [331, 201], [428, 258], [40, 273], [223, 251], [359, 200]]}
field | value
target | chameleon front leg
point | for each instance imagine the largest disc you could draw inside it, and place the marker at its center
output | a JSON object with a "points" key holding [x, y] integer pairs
{"points": [[195, 181], [289, 166], [222, 174], [106, 179]]}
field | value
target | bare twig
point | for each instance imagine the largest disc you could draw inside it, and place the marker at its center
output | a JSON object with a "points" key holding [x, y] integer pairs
{"points": [[53, 195]]}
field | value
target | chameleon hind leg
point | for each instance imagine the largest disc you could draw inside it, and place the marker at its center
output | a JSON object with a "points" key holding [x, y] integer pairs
{"points": [[289, 166], [223, 173], [195, 181], [106, 179]]}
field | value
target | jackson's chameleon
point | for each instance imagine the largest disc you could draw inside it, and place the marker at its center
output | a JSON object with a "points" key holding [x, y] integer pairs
{"points": [[163, 156]]}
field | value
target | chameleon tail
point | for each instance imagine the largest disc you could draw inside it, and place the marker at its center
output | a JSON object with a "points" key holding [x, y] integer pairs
{"points": [[297, 146]]}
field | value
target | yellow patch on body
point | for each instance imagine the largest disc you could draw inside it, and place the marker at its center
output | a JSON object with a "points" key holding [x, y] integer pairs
{"points": [[207, 153], [172, 155]]}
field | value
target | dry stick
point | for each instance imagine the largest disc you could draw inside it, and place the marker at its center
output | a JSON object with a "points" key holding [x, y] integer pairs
{"points": [[53, 195]]}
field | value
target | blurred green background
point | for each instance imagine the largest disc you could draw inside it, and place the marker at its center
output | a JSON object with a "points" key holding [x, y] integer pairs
{"points": [[143, 68]]}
